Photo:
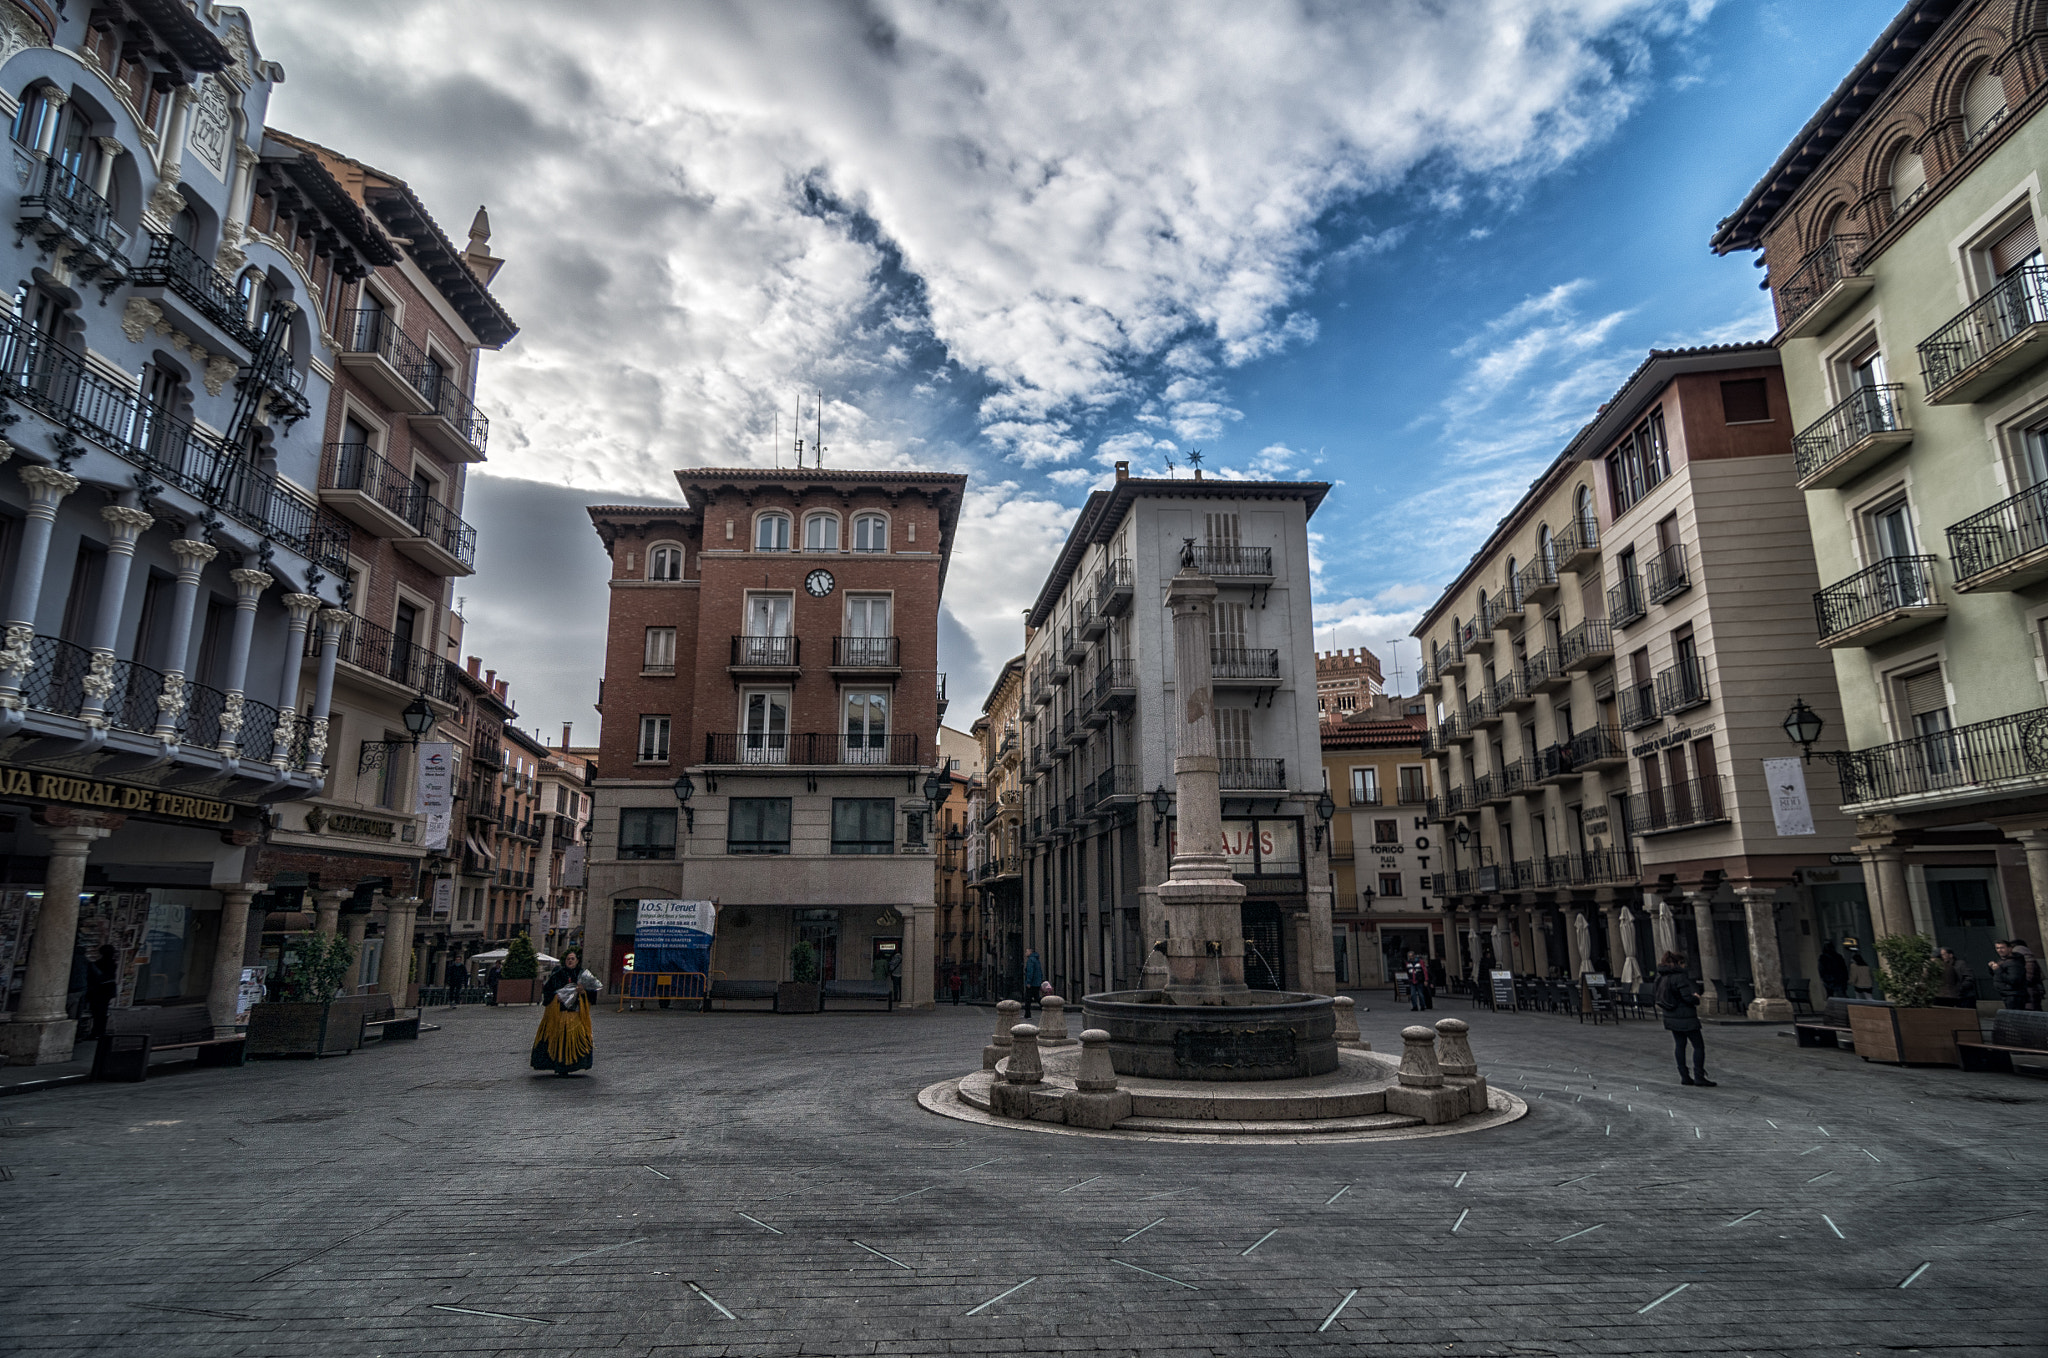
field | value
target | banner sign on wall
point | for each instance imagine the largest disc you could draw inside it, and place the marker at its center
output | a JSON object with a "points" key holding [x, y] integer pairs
{"points": [[1789, 804], [673, 936], [444, 896], [437, 790]]}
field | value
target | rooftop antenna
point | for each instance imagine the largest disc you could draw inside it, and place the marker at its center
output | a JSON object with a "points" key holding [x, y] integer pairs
{"points": [[1169, 468], [775, 440], [818, 443], [797, 425], [1394, 651]]}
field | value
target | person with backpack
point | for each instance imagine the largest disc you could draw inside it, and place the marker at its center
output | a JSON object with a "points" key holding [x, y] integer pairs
{"points": [[1678, 1000]]}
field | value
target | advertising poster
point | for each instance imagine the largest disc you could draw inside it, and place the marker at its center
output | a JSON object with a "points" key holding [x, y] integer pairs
{"points": [[437, 790], [672, 936], [1789, 804]]}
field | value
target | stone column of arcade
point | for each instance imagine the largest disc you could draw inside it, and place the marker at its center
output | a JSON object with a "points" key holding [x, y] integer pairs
{"points": [[42, 1033], [249, 587], [394, 968], [1710, 950], [1760, 909], [229, 948], [327, 910], [47, 487]]}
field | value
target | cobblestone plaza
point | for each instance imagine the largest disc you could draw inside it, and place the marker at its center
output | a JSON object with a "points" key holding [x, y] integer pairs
{"points": [[754, 1184]]}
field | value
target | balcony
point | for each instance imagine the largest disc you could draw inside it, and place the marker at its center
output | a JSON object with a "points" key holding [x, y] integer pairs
{"points": [[762, 656], [1088, 622], [1994, 340], [1449, 731], [1538, 580], [1069, 731], [1639, 705], [177, 274], [1544, 674], [1113, 589], [2006, 756], [1364, 796], [1492, 789], [1512, 693], [1095, 713], [1450, 804], [1668, 574], [1482, 712], [1116, 684], [57, 384], [71, 221], [866, 655], [1118, 780], [1235, 563], [452, 424], [1824, 285], [822, 749], [1514, 778], [1597, 747], [1241, 667], [1603, 867], [2004, 547], [1680, 806], [1856, 435], [1475, 632], [441, 541], [370, 649], [1585, 645], [1253, 775], [1578, 546], [1041, 688], [1625, 602], [394, 368], [1059, 665], [1509, 604], [1450, 659], [1896, 596], [1683, 687], [366, 490]]}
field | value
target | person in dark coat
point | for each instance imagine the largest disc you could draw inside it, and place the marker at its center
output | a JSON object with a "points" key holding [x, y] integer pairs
{"points": [[1678, 1000], [1034, 976], [2033, 984], [452, 976], [1438, 979], [102, 984], [1834, 970], [1958, 987], [2009, 974]]}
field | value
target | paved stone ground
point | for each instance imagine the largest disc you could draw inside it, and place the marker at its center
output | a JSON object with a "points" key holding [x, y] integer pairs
{"points": [[763, 1185]]}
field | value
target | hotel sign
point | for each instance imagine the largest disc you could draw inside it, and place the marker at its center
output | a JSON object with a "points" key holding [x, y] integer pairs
{"points": [[71, 790]]}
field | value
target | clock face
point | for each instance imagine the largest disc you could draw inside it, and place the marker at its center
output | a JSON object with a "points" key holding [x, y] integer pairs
{"points": [[819, 583]]}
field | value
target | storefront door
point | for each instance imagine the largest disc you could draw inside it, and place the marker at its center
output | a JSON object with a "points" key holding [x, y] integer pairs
{"points": [[820, 929], [1265, 965]]}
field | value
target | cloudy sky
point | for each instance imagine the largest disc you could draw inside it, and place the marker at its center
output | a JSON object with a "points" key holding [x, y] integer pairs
{"points": [[1406, 246]]}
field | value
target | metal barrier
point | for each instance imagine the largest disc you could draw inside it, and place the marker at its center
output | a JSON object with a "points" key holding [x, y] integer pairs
{"points": [[664, 985]]}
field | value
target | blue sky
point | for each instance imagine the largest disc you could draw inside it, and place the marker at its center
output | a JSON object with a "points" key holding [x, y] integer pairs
{"points": [[1407, 246]]}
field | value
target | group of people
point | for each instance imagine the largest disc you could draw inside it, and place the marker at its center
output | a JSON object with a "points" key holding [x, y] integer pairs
{"points": [[2016, 973], [1425, 975]]}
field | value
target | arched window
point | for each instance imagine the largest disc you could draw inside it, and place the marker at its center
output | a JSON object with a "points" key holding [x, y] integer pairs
{"points": [[1983, 103], [1546, 548], [1481, 619], [871, 533], [821, 533], [185, 226], [1514, 586], [665, 562], [1909, 178], [1588, 523], [771, 533], [34, 111]]}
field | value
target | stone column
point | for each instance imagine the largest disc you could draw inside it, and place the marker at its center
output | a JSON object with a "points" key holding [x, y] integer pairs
{"points": [[394, 968], [240, 195], [1322, 937], [2035, 843], [921, 947], [332, 621], [124, 526], [42, 1033], [1759, 908], [1201, 899], [301, 608], [1884, 883], [357, 925], [47, 488], [46, 138], [228, 951], [249, 587], [111, 150], [1304, 953], [192, 557], [171, 159], [1539, 947], [327, 911], [1710, 951]]}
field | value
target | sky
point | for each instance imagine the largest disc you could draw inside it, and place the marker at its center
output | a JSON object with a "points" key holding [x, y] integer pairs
{"points": [[1407, 247]]}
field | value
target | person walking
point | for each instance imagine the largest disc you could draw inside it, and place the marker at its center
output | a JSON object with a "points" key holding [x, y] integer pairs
{"points": [[1834, 972], [2009, 974], [1678, 1000], [563, 1042], [1861, 979], [452, 976], [1958, 987], [953, 983], [1433, 970], [1418, 981], [896, 976], [2032, 987], [1034, 976], [102, 984]]}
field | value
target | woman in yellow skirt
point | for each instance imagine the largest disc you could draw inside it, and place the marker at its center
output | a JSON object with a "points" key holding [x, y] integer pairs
{"points": [[563, 1043]]}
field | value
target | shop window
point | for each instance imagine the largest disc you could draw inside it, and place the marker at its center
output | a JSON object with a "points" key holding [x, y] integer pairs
{"points": [[862, 825], [757, 825], [647, 832]]}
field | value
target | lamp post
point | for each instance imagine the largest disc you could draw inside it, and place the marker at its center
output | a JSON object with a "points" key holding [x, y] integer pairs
{"points": [[1803, 726], [1326, 807], [685, 789], [419, 718], [1162, 800]]}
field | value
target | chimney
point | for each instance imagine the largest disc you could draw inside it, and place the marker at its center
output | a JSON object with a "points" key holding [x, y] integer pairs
{"points": [[1123, 471], [565, 735], [490, 679], [474, 661], [503, 684]]}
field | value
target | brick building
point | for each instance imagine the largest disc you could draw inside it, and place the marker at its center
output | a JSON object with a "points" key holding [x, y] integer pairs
{"points": [[772, 702], [1346, 682]]}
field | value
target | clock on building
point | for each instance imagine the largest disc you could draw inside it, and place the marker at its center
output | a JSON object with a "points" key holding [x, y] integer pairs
{"points": [[819, 583]]}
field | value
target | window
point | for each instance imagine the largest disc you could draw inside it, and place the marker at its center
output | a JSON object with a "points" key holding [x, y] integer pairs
{"points": [[1386, 832], [29, 119], [653, 740], [1909, 178], [647, 832], [390, 775], [661, 651], [758, 825], [1745, 401], [821, 533], [771, 533], [1637, 464], [1411, 786], [863, 825], [871, 533], [1233, 733], [867, 727], [2017, 248], [1390, 884], [1890, 530], [1221, 531], [1365, 787], [665, 563], [765, 720], [1983, 103]]}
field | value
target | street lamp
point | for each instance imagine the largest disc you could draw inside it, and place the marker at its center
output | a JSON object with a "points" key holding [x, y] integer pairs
{"points": [[1161, 800], [684, 790], [1325, 809], [418, 718], [1803, 726]]}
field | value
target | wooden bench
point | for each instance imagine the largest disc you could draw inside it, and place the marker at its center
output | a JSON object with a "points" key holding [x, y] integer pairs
{"points": [[1829, 1028], [726, 991], [134, 1035], [859, 990], [2014, 1032], [382, 1020]]}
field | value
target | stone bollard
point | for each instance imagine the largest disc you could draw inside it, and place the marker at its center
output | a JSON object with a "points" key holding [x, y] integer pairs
{"points": [[1052, 1023], [1460, 1067], [1421, 1092], [999, 1046], [1010, 1097], [1347, 1025], [1095, 1101]]}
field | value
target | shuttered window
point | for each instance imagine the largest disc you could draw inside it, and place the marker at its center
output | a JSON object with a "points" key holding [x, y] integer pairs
{"points": [[1233, 733], [1923, 700], [2019, 246], [1220, 530], [1983, 101], [1909, 176]]}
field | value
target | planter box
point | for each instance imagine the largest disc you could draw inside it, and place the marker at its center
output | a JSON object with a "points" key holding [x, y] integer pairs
{"points": [[518, 992], [305, 1029], [1909, 1037], [795, 997]]}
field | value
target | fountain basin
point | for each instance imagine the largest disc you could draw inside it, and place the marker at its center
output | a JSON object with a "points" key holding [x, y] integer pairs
{"points": [[1254, 1035]]}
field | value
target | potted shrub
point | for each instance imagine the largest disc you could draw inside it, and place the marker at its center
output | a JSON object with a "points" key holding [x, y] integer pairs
{"points": [[1906, 1027], [799, 995], [517, 983], [310, 1019]]}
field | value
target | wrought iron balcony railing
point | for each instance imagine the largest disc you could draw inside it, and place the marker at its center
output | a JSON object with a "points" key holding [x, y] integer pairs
{"points": [[1597, 745], [1538, 577], [1215, 560], [1245, 775], [866, 652], [1839, 257], [451, 403], [805, 749], [369, 647], [2003, 753], [1113, 587], [1838, 435], [373, 331], [2005, 313], [1680, 806], [1238, 662], [175, 265], [1589, 640], [1638, 705], [1683, 686], [1116, 678], [779, 653], [1879, 591], [1998, 538], [1668, 575], [1625, 602], [62, 207]]}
